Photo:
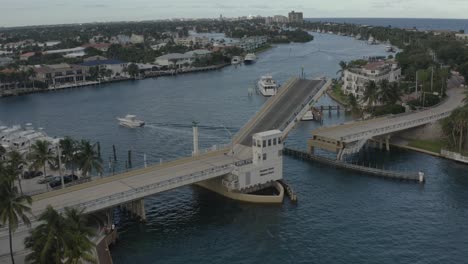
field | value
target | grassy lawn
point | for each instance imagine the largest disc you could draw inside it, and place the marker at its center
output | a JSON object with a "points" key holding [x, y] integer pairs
{"points": [[429, 145], [263, 48], [338, 95]]}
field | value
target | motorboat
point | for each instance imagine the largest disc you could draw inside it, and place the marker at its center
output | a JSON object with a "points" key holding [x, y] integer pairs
{"points": [[371, 41], [236, 60], [389, 49], [308, 116], [267, 86], [130, 121], [250, 58]]}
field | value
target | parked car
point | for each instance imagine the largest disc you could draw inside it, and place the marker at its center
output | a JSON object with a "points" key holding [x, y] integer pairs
{"points": [[57, 181], [32, 174], [46, 179]]}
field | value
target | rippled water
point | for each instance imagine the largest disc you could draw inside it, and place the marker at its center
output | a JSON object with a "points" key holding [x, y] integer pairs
{"points": [[341, 217]]}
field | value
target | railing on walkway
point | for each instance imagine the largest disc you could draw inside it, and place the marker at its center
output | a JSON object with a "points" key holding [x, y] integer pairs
{"points": [[409, 176]]}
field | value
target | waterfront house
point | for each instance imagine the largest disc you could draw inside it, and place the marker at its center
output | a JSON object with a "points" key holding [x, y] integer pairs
{"points": [[251, 43], [117, 67], [120, 39], [192, 41], [356, 78], [137, 39], [60, 74], [5, 61], [26, 56], [179, 60]]}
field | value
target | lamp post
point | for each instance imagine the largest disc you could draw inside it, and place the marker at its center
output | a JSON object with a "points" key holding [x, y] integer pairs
{"points": [[232, 139]]}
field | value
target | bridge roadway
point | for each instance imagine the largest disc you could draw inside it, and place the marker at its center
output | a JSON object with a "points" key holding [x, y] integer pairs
{"points": [[282, 111], [278, 112], [354, 134]]}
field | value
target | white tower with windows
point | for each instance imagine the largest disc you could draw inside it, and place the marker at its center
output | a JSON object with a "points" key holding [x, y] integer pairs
{"points": [[266, 166]]}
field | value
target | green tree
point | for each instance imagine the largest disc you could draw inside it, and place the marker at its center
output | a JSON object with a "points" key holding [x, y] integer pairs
{"points": [[17, 161], [133, 70], [13, 206], [69, 149], [456, 129], [78, 246], [41, 155], [46, 241], [61, 238], [389, 93], [89, 159], [370, 94]]}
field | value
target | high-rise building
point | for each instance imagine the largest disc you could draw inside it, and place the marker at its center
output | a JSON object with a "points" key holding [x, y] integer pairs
{"points": [[295, 17]]}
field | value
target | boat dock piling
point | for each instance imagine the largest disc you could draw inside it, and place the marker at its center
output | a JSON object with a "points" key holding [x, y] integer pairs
{"points": [[387, 174]]}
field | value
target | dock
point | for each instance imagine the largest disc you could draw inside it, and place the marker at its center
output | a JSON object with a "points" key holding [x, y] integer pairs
{"points": [[386, 174]]}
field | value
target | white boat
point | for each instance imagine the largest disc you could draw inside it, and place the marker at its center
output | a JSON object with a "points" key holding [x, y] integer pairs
{"points": [[308, 116], [358, 36], [236, 60], [371, 41], [250, 58], [267, 86], [389, 49], [130, 121]]}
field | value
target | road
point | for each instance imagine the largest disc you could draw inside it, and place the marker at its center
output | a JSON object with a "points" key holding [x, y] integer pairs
{"points": [[284, 108], [344, 131]]}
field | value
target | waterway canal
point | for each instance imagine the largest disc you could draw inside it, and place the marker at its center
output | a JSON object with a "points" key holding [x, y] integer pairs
{"points": [[341, 217]]}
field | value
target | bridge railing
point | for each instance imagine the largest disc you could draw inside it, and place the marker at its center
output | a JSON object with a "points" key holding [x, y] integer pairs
{"points": [[143, 191], [397, 127], [302, 109]]}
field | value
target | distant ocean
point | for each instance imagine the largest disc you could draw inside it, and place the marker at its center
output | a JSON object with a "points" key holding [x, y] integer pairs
{"points": [[421, 24]]}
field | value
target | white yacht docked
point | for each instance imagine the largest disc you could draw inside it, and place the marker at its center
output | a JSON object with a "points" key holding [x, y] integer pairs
{"points": [[250, 58], [130, 121], [308, 116], [267, 86]]}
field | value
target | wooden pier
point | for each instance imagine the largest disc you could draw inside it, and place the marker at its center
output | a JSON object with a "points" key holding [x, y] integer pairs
{"points": [[387, 174]]}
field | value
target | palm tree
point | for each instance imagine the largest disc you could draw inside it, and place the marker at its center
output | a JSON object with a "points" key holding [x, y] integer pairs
{"points": [[41, 155], [370, 94], [389, 93], [89, 159], [46, 240], [69, 152], [61, 238], [78, 245], [343, 66], [13, 206], [16, 161]]}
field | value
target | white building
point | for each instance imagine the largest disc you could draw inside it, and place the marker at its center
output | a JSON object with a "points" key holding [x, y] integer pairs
{"points": [[137, 39], [179, 60], [462, 36], [355, 79], [266, 166], [251, 43], [120, 39], [117, 67], [192, 41]]}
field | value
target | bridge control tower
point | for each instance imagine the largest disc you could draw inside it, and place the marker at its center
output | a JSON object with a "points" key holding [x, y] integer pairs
{"points": [[266, 166]]}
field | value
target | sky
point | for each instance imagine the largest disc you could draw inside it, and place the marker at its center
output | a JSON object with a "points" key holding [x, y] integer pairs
{"points": [[45, 12]]}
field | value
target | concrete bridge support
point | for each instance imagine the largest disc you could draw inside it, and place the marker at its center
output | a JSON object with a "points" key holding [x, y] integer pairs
{"points": [[136, 208], [387, 142]]}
